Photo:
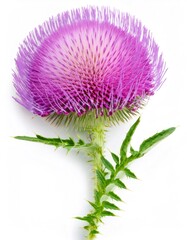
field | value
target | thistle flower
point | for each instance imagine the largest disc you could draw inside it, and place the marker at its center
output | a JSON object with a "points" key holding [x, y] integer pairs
{"points": [[96, 67], [88, 60]]}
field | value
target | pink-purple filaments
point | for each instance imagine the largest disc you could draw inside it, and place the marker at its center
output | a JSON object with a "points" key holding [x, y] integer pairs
{"points": [[87, 59]]}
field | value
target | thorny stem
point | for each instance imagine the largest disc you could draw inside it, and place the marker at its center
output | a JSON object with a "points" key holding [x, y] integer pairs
{"points": [[97, 138], [102, 194], [106, 175]]}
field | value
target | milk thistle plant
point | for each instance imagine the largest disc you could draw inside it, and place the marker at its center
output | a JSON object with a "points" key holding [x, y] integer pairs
{"points": [[91, 68]]}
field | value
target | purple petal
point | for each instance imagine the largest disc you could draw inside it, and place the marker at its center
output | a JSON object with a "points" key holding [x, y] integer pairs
{"points": [[87, 59]]}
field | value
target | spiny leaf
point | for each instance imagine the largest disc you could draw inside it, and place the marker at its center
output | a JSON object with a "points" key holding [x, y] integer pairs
{"points": [[126, 142], [148, 143], [114, 196], [80, 142], [33, 139], [86, 227], [107, 164], [115, 158], [132, 151], [107, 213], [94, 206], [130, 174], [119, 183], [50, 141], [88, 218], [101, 178], [94, 232], [109, 205], [57, 142], [70, 142], [43, 138]]}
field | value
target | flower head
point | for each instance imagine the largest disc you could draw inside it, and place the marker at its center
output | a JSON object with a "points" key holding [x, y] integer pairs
{"points": [[87, 60]]}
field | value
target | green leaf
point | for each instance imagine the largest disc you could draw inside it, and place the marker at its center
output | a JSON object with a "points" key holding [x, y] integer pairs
{"points": [[107, 164], [43, 138], [132, 151], [88, 218], [86, 227], [94, 232], [107, 214], [150, 142], [119, 183], [126, 142], [109, 205], [130, 174], [50, 141], [101, 178], [80, 142], [115, 158], [57, 142], [69, 142], [93, 204], [97, 208], [114, 196]]}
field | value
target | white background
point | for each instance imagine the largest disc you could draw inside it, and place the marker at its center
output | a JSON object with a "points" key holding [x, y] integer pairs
{"points": [[41, 190]]}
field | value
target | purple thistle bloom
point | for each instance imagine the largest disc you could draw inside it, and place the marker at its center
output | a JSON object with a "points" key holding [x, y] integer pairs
{"points": [[88, 59]]}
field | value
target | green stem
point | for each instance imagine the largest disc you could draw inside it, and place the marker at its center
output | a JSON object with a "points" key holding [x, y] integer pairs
{"points": [[97, 138], [106, 174], [101, 190]]}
